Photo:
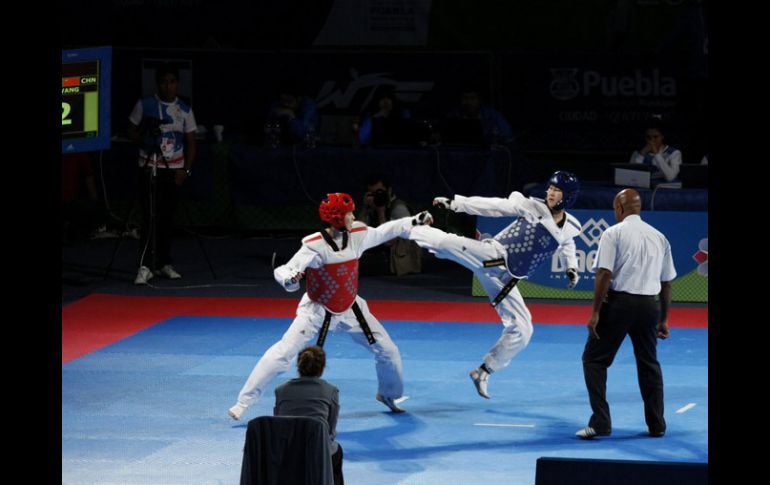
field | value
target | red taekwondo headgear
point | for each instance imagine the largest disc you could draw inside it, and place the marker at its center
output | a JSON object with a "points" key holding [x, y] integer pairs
{"points": [[334, 208]]}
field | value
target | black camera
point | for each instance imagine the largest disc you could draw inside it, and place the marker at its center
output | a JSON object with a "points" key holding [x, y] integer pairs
{"points": [[380, 197], [151, 126]]}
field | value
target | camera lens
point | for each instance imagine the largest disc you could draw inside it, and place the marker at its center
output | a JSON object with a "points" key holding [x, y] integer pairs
{"points": [[380, 198]]}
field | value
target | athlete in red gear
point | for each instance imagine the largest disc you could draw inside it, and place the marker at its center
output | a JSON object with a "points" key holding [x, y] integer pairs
{"points": [[329, 261]]}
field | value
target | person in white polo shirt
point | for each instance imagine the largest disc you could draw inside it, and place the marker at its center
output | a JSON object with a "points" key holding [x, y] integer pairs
{"points": [[633, 266]]}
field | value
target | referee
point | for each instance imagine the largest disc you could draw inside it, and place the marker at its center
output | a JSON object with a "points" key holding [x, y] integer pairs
{"points": [[633, 264]]}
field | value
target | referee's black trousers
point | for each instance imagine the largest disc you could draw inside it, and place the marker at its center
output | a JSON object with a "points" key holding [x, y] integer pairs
{"points": [[636, 316]]}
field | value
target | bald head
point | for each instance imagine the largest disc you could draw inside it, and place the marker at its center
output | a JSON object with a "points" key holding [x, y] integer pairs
{"points": [[627, 202]]}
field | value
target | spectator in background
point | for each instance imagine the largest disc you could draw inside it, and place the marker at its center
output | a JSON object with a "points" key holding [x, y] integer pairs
{"points": [[309, 395], [496, 129], [389, 114], [666, 159], [295, 114], [381, 205], [163, 126]]}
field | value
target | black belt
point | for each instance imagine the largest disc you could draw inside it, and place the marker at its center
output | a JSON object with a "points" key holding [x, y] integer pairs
{"points": [[494, 262], [361, 321], [622, 294], [504, 291], [508, 286], [324, 329]]}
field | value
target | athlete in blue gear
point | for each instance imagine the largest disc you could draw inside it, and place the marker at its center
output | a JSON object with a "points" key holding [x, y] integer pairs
{"points": [[542, 227]]}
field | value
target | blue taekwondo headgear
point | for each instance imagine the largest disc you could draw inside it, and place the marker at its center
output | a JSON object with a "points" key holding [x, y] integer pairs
{"points": [[568, 183]]}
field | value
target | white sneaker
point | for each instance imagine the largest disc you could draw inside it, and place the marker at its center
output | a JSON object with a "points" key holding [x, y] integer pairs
{"points": [[143, 276], [169, 272], [236, 411], [390, 402], [588, 433], [480, 378]]}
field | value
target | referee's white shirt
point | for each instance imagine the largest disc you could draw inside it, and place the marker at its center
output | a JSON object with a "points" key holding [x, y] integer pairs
{"points": [[638, 255]]}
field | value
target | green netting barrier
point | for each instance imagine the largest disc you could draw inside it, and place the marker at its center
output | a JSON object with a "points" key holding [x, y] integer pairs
{"points": [[691, 287]]}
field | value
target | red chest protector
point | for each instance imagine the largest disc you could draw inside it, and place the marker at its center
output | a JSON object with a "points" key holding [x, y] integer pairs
{"points": [[334, 286]]}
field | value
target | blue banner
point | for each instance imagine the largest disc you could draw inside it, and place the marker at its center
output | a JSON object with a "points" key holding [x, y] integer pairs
{"points": [[686, 231]]}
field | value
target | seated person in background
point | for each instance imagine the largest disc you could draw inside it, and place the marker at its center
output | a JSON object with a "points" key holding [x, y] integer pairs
{"points": [[389, 125], [496, 128], [656, 153], [381, 205], [296, 115], [309, 395]]}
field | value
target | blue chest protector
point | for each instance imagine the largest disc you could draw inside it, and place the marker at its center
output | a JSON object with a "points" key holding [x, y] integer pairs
{"points": [[528, 244]]}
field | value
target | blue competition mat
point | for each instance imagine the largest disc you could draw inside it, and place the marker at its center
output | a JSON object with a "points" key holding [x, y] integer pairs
{"points": [[152, 408]]}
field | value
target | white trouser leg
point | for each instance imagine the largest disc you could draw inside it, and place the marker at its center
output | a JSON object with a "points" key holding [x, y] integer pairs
{"points": [[387, 358], [279, 356], [517, 329], [470, 253]]}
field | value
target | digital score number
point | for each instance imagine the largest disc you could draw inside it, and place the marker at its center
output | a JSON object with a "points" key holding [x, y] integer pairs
{"points": [[80, 99]]}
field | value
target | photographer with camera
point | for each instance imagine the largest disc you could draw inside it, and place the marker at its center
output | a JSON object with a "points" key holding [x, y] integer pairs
{"points": [[163, 126], [380, 206]]}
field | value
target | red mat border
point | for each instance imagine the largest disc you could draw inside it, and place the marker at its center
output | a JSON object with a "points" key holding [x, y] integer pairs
{"points": [[98, 320]]}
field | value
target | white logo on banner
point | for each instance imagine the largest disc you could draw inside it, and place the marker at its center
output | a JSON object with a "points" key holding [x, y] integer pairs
{"points": [[406, 91], [566, 84], [590, 234], [376, 22], [592, 230]]}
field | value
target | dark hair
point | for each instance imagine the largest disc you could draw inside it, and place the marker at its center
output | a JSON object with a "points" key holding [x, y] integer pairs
{"points": [[655, 122], [164, 69], [311, 361], [372, 179]]}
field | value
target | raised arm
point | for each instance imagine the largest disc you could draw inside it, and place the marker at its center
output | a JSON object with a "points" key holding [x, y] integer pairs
{"points": [[289, 274], [393, 229], [636, 157], [485, 206], [668, 165]]}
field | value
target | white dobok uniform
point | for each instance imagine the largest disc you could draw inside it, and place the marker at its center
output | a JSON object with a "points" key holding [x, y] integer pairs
{"points": [[332, 285], [523, 245]]}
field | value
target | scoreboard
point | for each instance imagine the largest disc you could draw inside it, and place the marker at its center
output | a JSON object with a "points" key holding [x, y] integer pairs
{"points": [[85, 90], [80, 100]]}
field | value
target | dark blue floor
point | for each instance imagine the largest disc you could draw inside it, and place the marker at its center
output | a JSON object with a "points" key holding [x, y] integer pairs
{"points": [[153, 407]]}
